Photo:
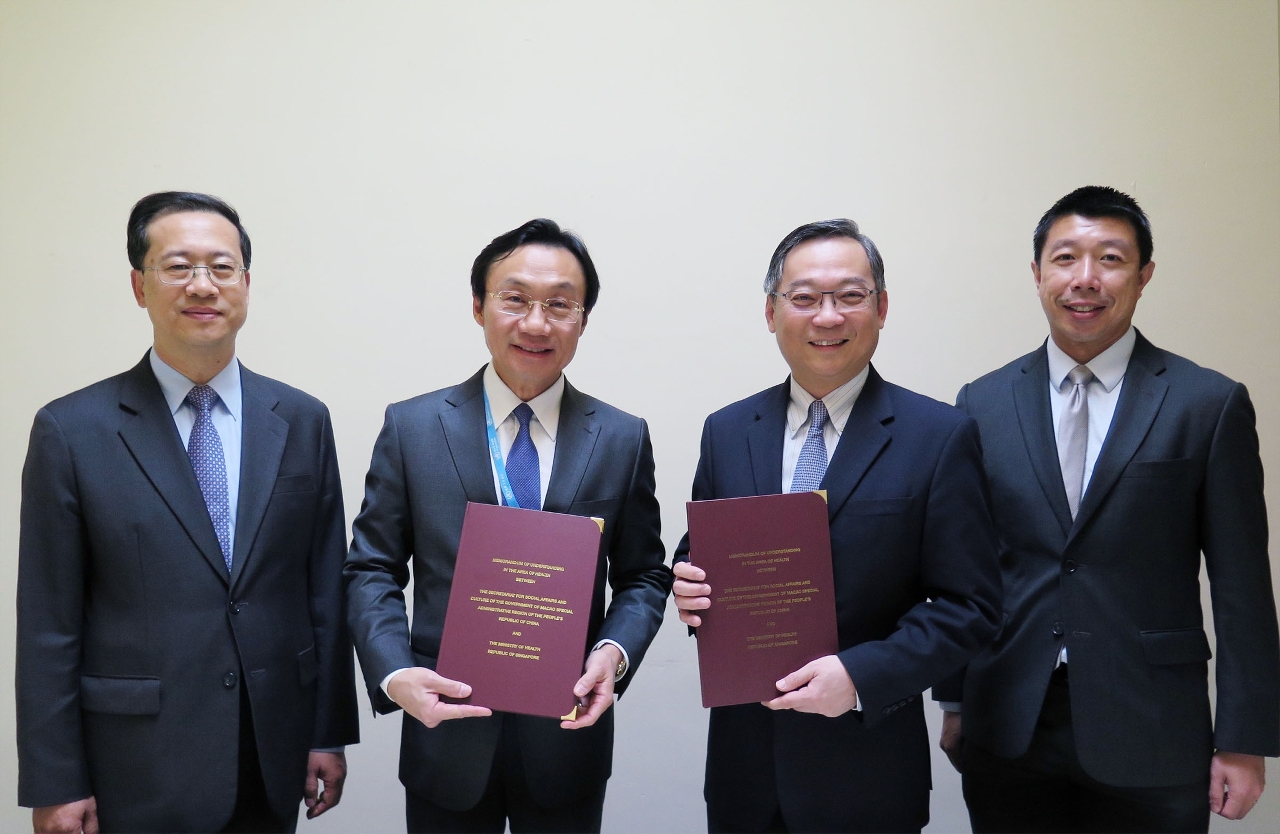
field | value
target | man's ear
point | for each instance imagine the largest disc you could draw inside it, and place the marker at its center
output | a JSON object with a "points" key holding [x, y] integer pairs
{"points": [[135, 279], [768, 312]]}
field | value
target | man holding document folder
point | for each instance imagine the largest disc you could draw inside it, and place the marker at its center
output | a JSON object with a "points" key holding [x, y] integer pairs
{"points": [[843, 746], [518, 430]]}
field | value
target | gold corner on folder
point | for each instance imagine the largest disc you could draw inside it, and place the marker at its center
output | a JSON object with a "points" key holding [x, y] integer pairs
{"points": [[573, 713], [821, 492], [600, 521]]}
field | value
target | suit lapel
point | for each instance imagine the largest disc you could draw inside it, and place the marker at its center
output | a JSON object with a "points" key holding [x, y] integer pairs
{"points": [[764, 440], [576, 437], [148, 430], [464, 431], [1142, 394], [1031, 402], [864, 437], [263, 435]]}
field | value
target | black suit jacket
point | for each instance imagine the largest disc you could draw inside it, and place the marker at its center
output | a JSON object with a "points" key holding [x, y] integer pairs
{"points": [[429, 461], [917, 595], [133, 641], [1178, 475]]}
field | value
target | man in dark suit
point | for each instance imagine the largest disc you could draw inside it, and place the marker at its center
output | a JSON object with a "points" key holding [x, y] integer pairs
{"points": [[843, 747], [463, 768], [182, 662], [1113, 466]]}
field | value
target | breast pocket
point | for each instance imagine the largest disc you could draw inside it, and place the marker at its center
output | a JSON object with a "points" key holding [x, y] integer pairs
{"points": [[1178, 468], [879, 506], [294, 483], [603, 508]]}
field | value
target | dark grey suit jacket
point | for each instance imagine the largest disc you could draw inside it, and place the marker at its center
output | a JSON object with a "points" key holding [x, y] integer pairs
{"points": [[133, 641], [429, 461], [1178, 475]]}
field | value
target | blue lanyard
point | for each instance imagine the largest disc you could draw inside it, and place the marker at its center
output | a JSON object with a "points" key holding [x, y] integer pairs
{"points": [[495, 452]]}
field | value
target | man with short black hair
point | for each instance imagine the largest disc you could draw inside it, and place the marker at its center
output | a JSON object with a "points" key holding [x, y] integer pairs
{"points": [[463, 768], [183, 663], [844, 747], [1113, 467]]}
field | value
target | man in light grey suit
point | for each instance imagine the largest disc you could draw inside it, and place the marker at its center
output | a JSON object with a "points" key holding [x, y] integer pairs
{"points": [[463, 768], [183, 663]]}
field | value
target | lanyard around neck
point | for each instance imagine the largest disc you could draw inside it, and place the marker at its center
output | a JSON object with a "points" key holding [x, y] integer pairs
{"points": [[495, 453]]}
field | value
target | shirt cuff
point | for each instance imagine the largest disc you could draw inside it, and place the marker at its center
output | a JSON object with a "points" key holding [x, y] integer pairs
{"points": [[387, 682], [949, 706], [328, 749], [626, 659]]}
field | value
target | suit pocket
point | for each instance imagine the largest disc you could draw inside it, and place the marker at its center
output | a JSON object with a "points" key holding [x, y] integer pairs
{"points": [[1171, 646], [120, 696], [878, 506], [307, 669], [294, 483], [1177, 468]]}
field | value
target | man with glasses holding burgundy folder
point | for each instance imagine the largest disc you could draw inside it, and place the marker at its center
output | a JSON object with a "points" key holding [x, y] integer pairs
{"points": [[843, 746], [516, 429]]}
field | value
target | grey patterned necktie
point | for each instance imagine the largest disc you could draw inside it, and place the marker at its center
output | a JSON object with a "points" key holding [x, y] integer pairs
{"points": [[1073, 436], [812, 463], [205, 450]]}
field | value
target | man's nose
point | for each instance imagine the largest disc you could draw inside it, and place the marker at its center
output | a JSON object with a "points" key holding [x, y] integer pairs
{"points": [[1087, 275], [828, 315], [201, 283], [530, 324]]}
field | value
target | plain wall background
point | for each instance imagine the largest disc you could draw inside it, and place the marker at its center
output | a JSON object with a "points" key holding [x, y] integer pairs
{"points": [[373, 148]]}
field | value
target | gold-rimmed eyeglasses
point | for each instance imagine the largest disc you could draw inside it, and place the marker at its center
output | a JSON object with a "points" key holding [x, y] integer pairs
{"points": [[179, 273], [558, 310]]}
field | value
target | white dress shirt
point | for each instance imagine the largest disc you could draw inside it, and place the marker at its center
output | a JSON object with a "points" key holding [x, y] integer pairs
{"points": [[226, 415]]}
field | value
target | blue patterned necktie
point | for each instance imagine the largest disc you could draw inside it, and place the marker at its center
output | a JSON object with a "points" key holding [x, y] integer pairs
{"points": [[812, 463], [522, 463], [205, 451]]}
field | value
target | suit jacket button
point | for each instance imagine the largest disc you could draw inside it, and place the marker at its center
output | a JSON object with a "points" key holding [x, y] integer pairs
{"points": [[1059, 629], [235, 608], [1069, 566], [229, 680]]}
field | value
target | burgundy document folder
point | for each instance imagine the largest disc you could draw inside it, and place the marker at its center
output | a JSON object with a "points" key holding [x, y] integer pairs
{"points": [[516, 626], [768, 562]]}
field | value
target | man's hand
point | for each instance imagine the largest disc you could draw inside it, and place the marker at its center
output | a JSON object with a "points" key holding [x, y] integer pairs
{"points": [[418, 692], [951, 741], [72, 818], [822, 686], [325, 774], [1236, 781], [690, 592], [594, 690]]}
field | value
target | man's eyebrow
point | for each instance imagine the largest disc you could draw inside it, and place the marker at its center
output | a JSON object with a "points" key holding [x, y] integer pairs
{"points": [[186, 253]]}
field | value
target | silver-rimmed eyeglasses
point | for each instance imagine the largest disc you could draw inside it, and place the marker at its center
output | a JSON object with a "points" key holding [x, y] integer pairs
{"points": [[847, 300], [558, 310], [179, 273]]}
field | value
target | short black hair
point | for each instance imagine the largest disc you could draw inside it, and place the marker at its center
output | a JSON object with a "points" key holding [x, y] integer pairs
{"points": [[1093, 202], [839, 227], [542, 232], [154, 206]]}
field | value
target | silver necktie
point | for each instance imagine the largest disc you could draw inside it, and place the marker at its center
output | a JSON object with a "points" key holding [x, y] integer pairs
{"points": [[1073, 436]]}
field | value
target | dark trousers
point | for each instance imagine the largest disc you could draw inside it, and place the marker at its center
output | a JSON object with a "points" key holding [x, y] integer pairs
{"points": [[1046, 789], [506, 798], [253, 813]]}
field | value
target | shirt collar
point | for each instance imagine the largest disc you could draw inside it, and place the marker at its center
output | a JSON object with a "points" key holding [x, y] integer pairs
{"points": [[1107, 367], [503, 401], [175, 386], [839, 403]]}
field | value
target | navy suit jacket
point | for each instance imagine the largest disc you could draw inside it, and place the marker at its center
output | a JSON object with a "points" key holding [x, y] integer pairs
{"points": [[917, 595], [133, 640], [1178, 475], [429, 461]]}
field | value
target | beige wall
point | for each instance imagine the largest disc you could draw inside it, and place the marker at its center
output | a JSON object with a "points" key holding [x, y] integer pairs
{"points": [[374, 147]]}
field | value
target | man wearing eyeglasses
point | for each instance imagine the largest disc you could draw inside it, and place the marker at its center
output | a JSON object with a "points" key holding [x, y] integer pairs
{"points": [[182, 660], [463, 768], [843, 746]]}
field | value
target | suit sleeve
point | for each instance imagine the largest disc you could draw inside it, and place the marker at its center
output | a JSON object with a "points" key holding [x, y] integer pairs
{"points": [[702, 481], [1233, 521], [638, 574], [337, 718], [378, 566], [950, 690], [52, 570], [959, 575]]}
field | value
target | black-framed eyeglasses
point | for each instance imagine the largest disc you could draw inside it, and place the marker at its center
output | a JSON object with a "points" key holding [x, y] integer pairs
{"points": [[179, 273], [558, 310], [847, 300]]}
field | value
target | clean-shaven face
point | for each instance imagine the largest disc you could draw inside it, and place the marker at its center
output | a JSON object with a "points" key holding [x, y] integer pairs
{"points": [[529, 352]]}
